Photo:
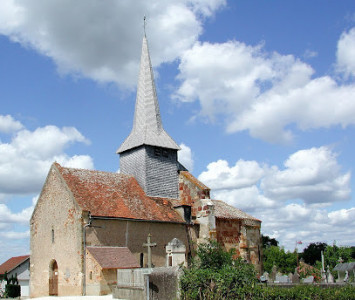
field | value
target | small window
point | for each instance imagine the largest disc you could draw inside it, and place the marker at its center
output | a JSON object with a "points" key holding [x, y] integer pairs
{"points": [[52, 236], [165, 153], [142, 259], [90, 275], [157, 151], [170, 261]]}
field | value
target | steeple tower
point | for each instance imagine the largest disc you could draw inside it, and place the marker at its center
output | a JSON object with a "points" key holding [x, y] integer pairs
{"points": [[147, 125], [149, 153]]}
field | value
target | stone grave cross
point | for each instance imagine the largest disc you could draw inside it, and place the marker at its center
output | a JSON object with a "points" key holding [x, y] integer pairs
{"points": [[149, 245]]}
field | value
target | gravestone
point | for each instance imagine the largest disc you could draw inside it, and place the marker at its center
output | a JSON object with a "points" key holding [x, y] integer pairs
{"points": [[290, 276], [266, 275], [309, 279], [264, 278], [282, 279], [295, 278], [273, 273], [330, 278]]}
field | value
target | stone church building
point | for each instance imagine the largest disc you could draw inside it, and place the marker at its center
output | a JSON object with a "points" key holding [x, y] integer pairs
{"points": [[87, 224]]}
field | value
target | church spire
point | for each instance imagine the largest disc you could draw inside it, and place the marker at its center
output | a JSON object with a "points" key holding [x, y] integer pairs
{"points": [[147, 126]]}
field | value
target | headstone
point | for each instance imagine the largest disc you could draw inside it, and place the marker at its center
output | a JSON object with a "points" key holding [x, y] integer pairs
{"points": [[266, 275], [309, 279], [273, 273], [175, 253], [346, 278], [263, 279], [330, 278], [295, 278], [290, 276], [282, 279]]}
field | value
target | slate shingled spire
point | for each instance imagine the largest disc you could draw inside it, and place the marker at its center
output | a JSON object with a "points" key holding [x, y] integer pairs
{"points": [[149, 153], [147, 125]]}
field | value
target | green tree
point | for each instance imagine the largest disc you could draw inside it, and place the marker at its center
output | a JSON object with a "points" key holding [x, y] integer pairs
{"points": [[267, 241], [312, 253], [332, 254], [215, 274], [285, 262]]}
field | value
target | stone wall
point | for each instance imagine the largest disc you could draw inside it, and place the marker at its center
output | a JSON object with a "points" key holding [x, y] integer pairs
{"points": [[56, 235], [98, 281], [229, 233], [190, 190], [132, 234], [238, 234]]}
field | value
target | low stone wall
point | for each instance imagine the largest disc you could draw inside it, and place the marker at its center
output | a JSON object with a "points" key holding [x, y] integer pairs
{"points": [[163, 283], [133, 284]]}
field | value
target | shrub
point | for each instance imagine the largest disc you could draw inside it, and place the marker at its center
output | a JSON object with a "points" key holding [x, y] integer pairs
{"points": [[302, 292], [12, 290], [215, 274]]}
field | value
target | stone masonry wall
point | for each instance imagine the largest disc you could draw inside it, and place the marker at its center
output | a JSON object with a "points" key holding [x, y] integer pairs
{"points": [[133, 234], [190, 192], [229, 233], [56, 211], [98, 281], [245, 239]]}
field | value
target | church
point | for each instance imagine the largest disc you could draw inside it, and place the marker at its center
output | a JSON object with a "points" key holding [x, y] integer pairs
{"points": [[88, 224]]}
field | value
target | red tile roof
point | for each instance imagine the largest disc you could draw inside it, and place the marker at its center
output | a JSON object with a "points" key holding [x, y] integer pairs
{"points": [[194, 180], [226, 211], [114, 257], [12, 263], [117, 195]]}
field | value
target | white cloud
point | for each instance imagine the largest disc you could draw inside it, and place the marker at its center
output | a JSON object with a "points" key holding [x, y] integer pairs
{"points": [[294, 203], [346, 53], [310, 54], [260, 92], [220, 176], [249, 198], [8, 124], [312, 175], [23, 217], [15, 235], [100, 39], [185, 157], [25, 161]]}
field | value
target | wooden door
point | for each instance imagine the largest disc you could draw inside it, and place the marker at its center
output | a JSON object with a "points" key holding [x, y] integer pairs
{"points": [[53, 280]]}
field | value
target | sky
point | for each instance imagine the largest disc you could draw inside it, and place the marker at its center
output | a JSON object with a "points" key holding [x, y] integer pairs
{"points": [[260, 95]]}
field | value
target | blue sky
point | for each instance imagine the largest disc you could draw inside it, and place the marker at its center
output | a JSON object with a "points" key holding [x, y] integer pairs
{"points": [[259, 94]]}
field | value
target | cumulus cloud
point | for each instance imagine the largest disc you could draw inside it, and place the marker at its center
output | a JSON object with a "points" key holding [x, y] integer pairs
{"points": [[25, 161], [312, 175], [185, 157], [294, 201], [8, 124], [101, 40], [260, 92], [220, 176], [14, 235], [346, 53]]}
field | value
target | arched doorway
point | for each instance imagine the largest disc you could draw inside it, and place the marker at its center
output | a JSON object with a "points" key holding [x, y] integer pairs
{"points": [[53, 278]]}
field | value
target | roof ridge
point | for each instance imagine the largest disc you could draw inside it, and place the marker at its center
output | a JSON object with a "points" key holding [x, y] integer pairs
{"points": [[60, 168]]}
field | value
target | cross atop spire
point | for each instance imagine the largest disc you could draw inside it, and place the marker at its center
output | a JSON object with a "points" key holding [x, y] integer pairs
{"points": [[147, 126], [144, 23]]}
